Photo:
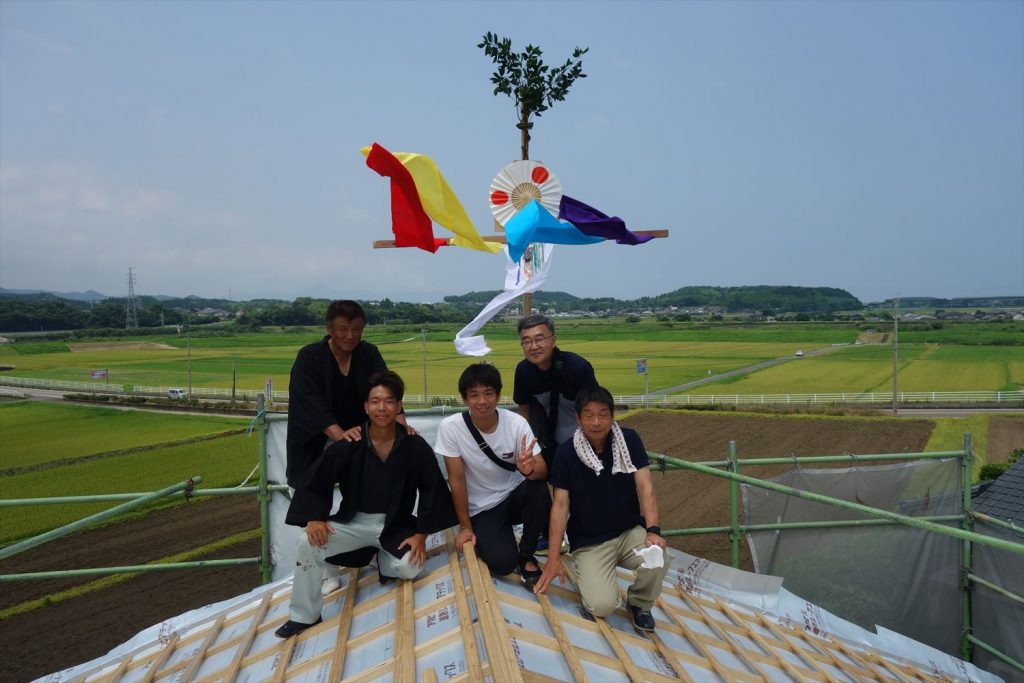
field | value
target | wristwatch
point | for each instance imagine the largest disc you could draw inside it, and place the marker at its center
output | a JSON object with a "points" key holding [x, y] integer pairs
{"points": [[656, 530]]}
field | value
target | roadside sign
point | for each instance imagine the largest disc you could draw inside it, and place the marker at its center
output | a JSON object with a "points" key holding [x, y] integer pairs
{"points": [[270, 390], [641, 366], [98, 374]]}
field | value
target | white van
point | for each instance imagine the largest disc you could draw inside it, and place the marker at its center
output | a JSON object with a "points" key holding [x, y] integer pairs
{"points": [[177, 393]]}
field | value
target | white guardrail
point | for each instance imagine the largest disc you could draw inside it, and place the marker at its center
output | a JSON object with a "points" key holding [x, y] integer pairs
{"points": [[1009, 398]]}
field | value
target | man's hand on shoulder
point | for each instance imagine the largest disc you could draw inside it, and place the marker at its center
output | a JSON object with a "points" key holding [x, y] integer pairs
{"points": [[553, 568], [317, 533], [409, 429], [354, 434]]}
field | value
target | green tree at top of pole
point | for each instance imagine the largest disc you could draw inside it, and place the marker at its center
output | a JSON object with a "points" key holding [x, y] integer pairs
{"points": [[532, 85]]}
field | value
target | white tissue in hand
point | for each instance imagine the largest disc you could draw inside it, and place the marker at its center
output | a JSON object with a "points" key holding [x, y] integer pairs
{"points": [[652, 555]]}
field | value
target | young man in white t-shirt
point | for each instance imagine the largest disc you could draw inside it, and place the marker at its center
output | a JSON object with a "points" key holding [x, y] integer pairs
{"points": [[492, 492]]}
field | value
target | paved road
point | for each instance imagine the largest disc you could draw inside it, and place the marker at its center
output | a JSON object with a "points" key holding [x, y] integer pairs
{"points": [[742, 371], [51, 395]]}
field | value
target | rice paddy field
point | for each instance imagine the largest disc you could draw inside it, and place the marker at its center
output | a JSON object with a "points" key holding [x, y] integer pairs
{"points": [[856, 369], [972, 356], [69, 450]]}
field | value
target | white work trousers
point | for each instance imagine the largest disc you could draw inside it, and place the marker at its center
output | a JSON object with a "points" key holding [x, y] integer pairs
{"points": [[362, 532]]}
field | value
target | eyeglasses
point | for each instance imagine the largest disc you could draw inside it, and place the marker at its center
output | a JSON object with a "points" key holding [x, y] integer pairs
{"points": [[536, 341]]}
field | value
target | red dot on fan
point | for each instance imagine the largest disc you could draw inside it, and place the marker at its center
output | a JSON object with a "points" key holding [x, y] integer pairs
{"points": [[539, 174], [498, 197]]}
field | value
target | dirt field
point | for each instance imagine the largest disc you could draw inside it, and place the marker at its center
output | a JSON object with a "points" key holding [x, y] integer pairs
{"points": [[690, 499], [63, 634], [1004, 435], [60, 635]]}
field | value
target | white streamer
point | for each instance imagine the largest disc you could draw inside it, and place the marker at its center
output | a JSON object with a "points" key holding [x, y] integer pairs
{"points": [[520, 278]]}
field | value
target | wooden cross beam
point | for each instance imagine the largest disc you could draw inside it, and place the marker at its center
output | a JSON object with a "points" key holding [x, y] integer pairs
{"points": [[500, 239]]}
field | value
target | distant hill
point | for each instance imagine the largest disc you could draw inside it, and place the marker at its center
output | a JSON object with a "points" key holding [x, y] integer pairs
{"points": [[758, 298], [959, 302], [91, 295], [33, 310]]}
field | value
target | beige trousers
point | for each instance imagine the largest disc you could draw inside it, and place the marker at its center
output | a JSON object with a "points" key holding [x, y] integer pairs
{"points": [[598, 583]]}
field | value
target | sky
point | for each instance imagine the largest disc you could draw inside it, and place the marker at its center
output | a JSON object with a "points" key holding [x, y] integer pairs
{"points": [[213, 147]]}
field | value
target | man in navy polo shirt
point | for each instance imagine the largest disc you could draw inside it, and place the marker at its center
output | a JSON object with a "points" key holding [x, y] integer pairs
{"points": [[605, 498], [546, 383]]}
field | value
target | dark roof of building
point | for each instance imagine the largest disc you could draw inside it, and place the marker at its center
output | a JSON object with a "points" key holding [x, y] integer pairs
{"points": [[1004, 497]]}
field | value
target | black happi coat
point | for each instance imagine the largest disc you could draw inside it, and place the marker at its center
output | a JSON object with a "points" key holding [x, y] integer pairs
{"points": [[311, 407], [417, 471]]}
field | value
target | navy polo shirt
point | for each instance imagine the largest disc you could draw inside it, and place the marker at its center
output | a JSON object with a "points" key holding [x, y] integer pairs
{"points": [[531, 384], [600, 506]]}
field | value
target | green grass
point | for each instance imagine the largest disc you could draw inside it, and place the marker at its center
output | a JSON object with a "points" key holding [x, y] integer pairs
{"points": [[35, 348], [964, 333], [35, 432], [677, 352], [857, 369], [948, 435], [221, 463]]}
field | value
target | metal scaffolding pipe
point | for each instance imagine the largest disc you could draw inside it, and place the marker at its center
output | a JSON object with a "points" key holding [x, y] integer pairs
{"points": [[995, 521], [827, 500], [781, 526], [129, 569], [996, 653], [98, 517], [806, 459], [263, 495], [998, 589], [108, 497]]}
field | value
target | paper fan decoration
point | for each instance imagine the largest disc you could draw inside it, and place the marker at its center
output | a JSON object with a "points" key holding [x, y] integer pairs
{"points": [[518, 184]]}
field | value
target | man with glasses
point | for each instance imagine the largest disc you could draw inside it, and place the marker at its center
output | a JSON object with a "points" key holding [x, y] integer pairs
{"points": [[545, 387], [546, 383]]}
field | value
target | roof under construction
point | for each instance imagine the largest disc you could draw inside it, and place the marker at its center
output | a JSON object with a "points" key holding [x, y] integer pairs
{"points": [[457, 622]]}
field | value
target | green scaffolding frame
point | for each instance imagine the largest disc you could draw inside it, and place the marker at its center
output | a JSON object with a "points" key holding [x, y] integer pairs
{"points": [[730, 469], [932, 524]]}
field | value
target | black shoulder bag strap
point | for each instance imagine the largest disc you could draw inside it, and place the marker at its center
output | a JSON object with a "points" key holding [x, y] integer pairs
{"points": [[555, 397], [484, 446]]}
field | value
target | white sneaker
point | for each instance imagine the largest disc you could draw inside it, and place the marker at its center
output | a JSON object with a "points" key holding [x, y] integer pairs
{"points": [[330, 585], [331, 581]]}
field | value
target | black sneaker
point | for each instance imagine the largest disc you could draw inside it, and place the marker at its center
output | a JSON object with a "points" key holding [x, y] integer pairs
{"points": [[529, 576], [291, 628], [643, 620]]}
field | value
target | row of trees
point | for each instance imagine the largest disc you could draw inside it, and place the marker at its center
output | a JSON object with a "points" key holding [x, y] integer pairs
{"points": [[46, 312], [18, 315], [306, 311], [778, 299]]}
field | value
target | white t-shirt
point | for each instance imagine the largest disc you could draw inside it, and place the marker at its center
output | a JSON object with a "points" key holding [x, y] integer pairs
{"points": [[487, 484]]}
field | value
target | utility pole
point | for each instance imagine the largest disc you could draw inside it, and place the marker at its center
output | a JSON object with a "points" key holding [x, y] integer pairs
{"points": [[895, 352], [423, 347], [232, 380], [188, 346]]}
